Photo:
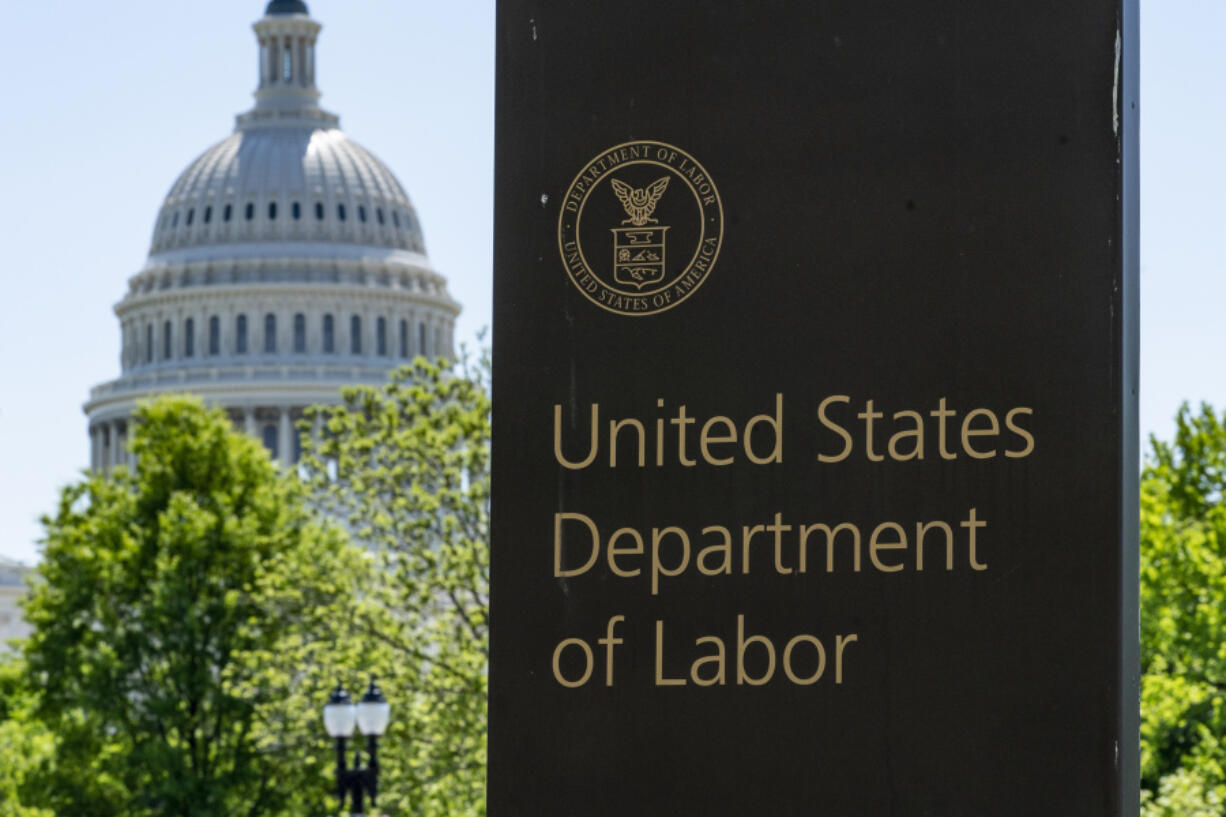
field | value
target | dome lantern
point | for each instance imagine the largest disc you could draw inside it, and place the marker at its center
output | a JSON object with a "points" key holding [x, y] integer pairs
{"points": [[286, 35]]}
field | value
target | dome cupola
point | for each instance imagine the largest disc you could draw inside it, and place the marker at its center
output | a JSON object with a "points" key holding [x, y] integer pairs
{"points": [[286, 37]]}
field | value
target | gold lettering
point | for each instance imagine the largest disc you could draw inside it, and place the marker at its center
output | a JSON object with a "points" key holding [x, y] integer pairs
{"points": [[593, 445], [657, 569], [787, 660], [747, 534], [557, 662], [558, 519], [875, 544], [942, 414], [992, 430], [776, 424], [836, 428], [614, 551], [1020, 432], [706, 439], [681, 421], [725, 548], [608, 642], [805, 530], [616, 426], [778, 528], [972, 524], [660, 434], [868, 416], [840, 643], [717, 659], [917, 432], [743, 677], [661, 681], [921, 530]]}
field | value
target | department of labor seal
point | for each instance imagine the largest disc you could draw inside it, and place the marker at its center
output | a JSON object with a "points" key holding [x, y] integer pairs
{"points": [[640, 228]]}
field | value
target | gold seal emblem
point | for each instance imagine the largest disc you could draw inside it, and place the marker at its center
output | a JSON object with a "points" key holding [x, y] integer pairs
{"points": [[640, 228]]}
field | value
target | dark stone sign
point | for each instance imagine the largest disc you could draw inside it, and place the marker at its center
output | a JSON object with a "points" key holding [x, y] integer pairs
{"points": [[814, 428]]}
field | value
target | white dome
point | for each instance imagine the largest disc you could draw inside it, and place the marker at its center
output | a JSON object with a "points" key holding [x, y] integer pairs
{"points": [[299, 182]]}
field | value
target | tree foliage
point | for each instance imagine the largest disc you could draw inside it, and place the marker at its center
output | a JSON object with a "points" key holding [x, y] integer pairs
{"points": [[184, 619], [407, 466], [1183, 619], [1182, 793], [25, 744]]}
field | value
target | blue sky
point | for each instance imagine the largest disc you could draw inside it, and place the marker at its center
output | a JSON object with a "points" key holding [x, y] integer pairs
{"points": [[104, 104]]}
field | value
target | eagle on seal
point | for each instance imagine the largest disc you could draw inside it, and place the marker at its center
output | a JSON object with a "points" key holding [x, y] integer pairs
{"points": [[640, 203]]}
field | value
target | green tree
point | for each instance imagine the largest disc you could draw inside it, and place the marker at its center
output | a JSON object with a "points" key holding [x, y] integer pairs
{"points": [[26, 745], [185, 615], [1182, 793], [407, 466], [1183, 619]]}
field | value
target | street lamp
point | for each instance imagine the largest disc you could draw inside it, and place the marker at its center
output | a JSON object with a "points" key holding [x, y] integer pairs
{"points": [[370, 716]]}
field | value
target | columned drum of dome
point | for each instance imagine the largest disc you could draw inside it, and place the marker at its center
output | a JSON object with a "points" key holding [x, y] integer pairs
{"points": [[278, 257]]}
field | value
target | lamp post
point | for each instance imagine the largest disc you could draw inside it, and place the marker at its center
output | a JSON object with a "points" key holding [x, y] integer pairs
{"points": [[370, 716]]}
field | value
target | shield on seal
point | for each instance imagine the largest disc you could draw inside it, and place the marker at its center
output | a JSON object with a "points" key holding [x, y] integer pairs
{"points": [[638, 256]]}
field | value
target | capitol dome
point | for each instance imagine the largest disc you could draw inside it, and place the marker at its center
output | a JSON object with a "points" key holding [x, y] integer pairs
{"points": [[330, 188], [286, 261]]}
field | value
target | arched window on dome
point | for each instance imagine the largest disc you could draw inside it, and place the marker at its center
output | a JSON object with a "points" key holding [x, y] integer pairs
{"points": [[270, 333], [191, 213], [214, 335], [340, 212], [300, 333], [396, 217], [296, 210], [404, 338], [379, 214], [287, 63], [166, 341], [272, 211], [362, 213], [270, 439], [240, 335], [329, 335], [250, 212], [421, 339], [175, 221], [226, 213], [355, 335], [381, 337], [189, 338], [319, 211], [208, 214], [148, 343]]}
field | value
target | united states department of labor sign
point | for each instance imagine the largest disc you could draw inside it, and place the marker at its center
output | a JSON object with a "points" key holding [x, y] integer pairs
{"points": [[851, 531], [640, 228]]}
